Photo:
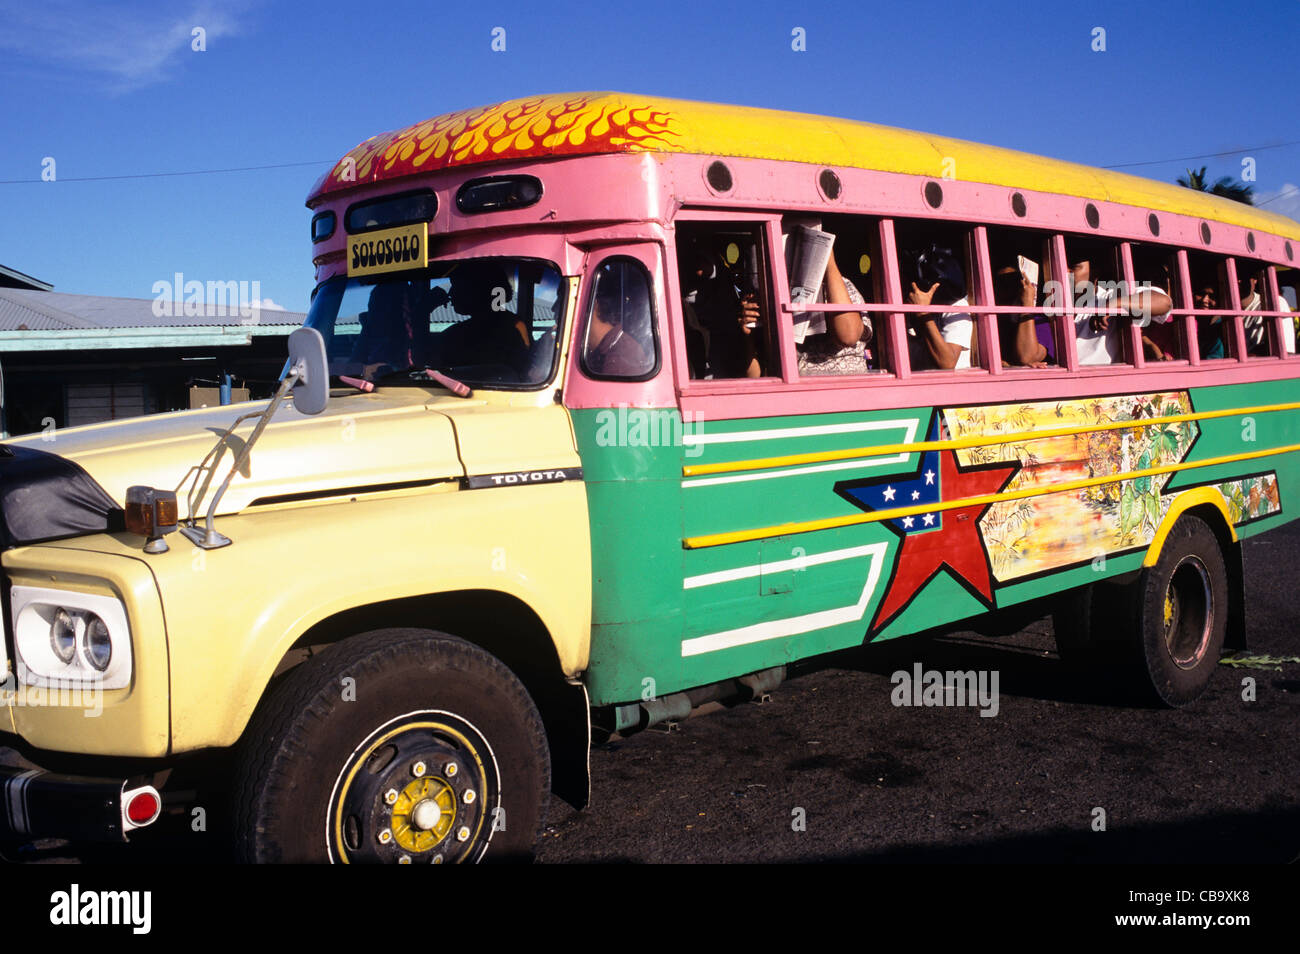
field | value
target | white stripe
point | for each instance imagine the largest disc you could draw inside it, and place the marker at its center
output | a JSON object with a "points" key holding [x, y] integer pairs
{"points": [[797, 563], [16, 799], [732, 437], [794, 625], [908, 426], [811, 469]]}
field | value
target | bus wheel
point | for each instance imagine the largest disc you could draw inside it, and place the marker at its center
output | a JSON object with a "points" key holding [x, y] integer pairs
{"points": [[397, 746], [1183, 613]]}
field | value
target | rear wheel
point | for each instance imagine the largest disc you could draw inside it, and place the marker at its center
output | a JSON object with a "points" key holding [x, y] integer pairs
{"points": [[1183, 613], [398, 746]]}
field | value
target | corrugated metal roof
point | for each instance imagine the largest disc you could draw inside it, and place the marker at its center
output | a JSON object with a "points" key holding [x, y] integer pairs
{"points": [[22, 309], [12, 278]]}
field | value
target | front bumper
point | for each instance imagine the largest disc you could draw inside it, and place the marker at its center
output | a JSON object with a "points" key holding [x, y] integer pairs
{"points": [[41, 804]]}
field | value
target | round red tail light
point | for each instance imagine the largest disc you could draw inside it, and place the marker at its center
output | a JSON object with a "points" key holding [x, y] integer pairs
{"points": [[143, 808]]}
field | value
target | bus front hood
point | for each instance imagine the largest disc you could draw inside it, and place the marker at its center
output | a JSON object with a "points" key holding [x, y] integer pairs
{"points": [[359, 442]]}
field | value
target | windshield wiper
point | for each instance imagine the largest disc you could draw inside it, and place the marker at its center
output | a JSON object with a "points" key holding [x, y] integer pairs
{"points": [[451, 384], [413, 373]]}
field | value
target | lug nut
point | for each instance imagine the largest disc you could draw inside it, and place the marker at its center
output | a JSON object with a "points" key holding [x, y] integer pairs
{"points": [[462, 834], [404, 860], [468, 796], [418, 769], [385, 836], [450, 769], [390, 796], [437, 859]]}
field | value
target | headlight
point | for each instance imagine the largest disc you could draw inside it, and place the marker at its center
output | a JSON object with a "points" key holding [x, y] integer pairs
{"points": [[98, 645], [64, 637]]}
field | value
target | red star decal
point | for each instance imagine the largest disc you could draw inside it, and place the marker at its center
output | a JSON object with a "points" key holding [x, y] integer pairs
{"points": [[957, 546]]}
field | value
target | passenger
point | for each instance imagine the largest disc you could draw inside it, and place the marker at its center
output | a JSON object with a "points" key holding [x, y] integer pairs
{"points": [[611, 350], [1209, 328], [1252, 299], [489, 334], [842, 347], [1021, 336], [937, 341], [720, 321], [1097, 337], [1248, 284], [1159, 339], [394, 330]]}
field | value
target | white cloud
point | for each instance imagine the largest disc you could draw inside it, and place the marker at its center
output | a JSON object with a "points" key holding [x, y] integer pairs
{"points": [[127, 45], [1284, 201], [266, 304]]}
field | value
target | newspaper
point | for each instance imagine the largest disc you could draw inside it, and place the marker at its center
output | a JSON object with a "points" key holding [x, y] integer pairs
{"points": [[807, 252], [1028, 268]]}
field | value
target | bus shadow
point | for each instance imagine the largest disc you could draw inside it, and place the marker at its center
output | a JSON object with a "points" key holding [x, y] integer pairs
{"points": [[1027, 666], [1271, 836]]}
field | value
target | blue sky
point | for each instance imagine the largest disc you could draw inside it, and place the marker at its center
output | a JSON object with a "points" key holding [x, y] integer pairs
{"points": [[116, 90]]}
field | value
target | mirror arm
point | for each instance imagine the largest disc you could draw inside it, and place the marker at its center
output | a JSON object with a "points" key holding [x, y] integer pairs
{"points": [[209, 538]]}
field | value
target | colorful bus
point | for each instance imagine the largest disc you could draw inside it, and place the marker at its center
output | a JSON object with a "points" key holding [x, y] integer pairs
{"points": [[633, 403]]}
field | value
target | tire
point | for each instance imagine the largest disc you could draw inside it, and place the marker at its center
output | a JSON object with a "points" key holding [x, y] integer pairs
{"points": [[433, 752], [1183, 614], [1090, 624]]}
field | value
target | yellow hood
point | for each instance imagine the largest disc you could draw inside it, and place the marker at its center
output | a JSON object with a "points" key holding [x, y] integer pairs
{"points": [[360, 440]]}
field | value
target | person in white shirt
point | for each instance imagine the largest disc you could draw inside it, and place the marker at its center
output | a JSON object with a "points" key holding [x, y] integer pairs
{"points": [[938, 341], [1256, 327], [941, 341], [1097, 337]]}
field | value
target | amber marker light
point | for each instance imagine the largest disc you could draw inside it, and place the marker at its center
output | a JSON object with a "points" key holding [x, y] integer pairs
{"points": [[152, 514]]}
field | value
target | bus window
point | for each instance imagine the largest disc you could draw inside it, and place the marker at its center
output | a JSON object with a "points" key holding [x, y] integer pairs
{"points": [[1156, 266], [1256, 296], [1096, 275], [833, 342], [1019, 258], [935, 268], [618, 341], [1214, 333], [722, 270], [1288, 284]]}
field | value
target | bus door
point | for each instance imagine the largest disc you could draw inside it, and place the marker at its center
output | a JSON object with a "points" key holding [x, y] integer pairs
{"points": [[619, 392]]}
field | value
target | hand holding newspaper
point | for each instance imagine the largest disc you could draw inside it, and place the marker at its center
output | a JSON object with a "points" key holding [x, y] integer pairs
{"points": [[808, 252]]}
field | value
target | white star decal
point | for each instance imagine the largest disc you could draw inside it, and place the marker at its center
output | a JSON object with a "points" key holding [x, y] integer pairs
{"points": [[929, 519], [916, 495], [889, 493], [907, 522], [929, 476]]}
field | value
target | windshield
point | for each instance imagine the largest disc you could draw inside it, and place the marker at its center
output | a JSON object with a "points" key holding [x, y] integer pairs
{"points": [[488, 322]]}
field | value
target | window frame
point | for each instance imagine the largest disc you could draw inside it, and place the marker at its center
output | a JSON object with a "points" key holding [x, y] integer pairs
{"points": [[777, 291], [589, 304]]}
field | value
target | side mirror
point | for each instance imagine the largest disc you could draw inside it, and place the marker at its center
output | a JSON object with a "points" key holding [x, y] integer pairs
{"points": [[310, 370]]}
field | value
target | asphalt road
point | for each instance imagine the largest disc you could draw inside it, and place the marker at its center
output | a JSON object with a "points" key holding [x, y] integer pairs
{"points": [[830, 770]]}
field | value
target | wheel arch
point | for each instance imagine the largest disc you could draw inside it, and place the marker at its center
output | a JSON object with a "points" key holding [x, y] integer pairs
{"points": [[502, 625]]}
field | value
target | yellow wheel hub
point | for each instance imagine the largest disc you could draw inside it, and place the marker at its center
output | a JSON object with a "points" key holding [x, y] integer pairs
{"points": [[425, 811]]}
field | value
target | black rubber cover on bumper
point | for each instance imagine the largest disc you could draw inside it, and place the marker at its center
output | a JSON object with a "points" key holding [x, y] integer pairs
{"points": [[39, 804]]}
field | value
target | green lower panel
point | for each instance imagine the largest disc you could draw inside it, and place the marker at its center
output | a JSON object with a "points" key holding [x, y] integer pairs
{"points": [[668, 617]]}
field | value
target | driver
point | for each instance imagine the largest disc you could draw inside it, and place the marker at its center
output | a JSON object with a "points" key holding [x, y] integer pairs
{"points": [[490, 334], [393, 330]]}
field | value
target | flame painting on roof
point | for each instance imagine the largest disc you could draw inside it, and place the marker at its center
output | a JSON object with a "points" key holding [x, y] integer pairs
{"points": [[518, 129]]}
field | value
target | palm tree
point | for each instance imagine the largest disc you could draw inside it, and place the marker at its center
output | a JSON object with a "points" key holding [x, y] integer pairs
{"points": [[1226, 186]]}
